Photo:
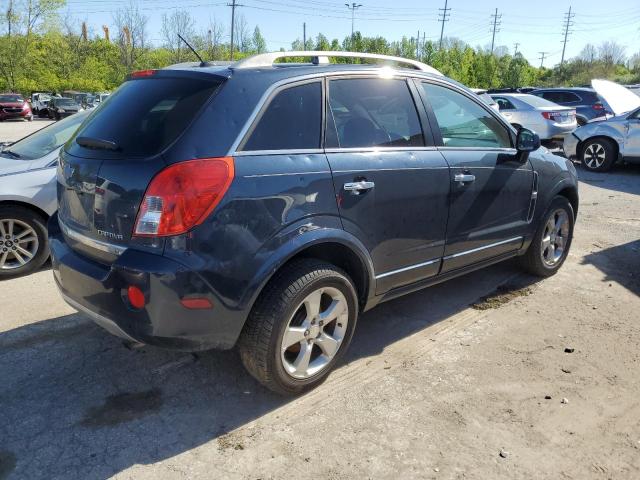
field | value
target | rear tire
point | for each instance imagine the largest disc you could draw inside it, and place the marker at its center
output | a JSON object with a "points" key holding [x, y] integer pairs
{"points": [[288, 345], [27, 247], [598, 155], [552, 240]]}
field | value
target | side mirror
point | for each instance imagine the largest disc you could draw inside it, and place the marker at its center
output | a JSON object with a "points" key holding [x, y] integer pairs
{"points": [[527, 140]]}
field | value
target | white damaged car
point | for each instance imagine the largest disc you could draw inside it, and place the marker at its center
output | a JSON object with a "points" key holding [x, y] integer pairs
{"points": [[599, 144]]}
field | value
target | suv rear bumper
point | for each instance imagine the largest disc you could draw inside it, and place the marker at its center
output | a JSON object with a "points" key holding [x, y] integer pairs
{"points": [[100, 291]]}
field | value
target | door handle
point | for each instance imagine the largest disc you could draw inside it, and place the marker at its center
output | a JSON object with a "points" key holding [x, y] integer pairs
{"points": [[356, 188], [464, 178]]}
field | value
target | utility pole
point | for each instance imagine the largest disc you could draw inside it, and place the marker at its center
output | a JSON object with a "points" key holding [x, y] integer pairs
{"points": [[353, 7], [418, 45], [515, 48], [543, 55], [443, 17], [496, 24], [233, 6], [568, 22], [304, 35]]}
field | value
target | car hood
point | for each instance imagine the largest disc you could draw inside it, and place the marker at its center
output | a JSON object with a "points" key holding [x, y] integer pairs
{"points": [[10, 166], [619, 98]]}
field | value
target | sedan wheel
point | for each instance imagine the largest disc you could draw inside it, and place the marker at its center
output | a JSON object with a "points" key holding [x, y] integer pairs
{"points": [[23, 241], [598, 155]]}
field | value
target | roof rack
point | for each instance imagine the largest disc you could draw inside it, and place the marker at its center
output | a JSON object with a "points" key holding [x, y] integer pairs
{"points": [[322, 58]]}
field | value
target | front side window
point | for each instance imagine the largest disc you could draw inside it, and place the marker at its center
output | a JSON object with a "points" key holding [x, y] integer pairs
{"points": [[291, 121], [464, 123], [372, 112]]}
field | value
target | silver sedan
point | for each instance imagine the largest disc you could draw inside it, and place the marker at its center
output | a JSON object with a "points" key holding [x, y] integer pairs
{"points": [[28, 195], [547, 119], [598, 145]]}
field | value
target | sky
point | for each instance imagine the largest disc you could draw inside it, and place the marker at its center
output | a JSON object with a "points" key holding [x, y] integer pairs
{"points": [[537, 26]]}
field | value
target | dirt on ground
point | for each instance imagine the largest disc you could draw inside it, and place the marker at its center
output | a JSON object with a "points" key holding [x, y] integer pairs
{"points": [[492, 375]]}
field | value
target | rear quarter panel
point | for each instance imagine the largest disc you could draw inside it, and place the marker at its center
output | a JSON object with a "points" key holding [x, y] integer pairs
{"points": [[35, 187]]}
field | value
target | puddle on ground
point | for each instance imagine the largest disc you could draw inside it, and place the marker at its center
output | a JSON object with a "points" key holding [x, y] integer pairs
{"points": [[123, 407]]}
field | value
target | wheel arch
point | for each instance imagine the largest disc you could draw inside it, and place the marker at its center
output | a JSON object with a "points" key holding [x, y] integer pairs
{"points": [[571, 194], [28, 206]]}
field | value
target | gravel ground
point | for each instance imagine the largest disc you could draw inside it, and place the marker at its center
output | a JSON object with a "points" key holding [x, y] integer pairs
{"points": [[12, 130], [493, 375]]}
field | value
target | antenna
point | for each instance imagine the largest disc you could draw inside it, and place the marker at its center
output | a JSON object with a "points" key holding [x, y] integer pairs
{"points": [[202, 62]]}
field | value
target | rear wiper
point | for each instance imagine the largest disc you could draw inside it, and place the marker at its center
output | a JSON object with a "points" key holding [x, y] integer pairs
{"points": [[97, 143]]}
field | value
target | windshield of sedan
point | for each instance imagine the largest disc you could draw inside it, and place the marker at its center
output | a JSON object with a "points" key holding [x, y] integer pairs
{"points": [[537, 102], [11, 98], [44, 141]]}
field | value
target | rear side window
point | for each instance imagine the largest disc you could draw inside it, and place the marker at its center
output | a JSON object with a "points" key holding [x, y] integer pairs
{"points": [[504, 104], [372, 112], [291, 121], [145, 116]]}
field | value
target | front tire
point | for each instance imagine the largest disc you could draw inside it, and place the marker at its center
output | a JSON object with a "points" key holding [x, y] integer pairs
{"points": [[24, 244], [552, 240], [301, 325], [598, 155]]}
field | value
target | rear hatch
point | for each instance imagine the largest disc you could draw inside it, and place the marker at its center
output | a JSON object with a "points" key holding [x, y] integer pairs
{"points": [[107, 165]]}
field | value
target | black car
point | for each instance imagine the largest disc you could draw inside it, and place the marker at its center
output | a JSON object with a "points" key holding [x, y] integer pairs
{"points": [[588, 104], [266, 205], [60, 107]]}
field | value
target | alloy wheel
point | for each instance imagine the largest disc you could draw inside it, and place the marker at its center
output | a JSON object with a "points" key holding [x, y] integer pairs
{"points": [[555, 238], [595, 155], [18, 243], [314, 333]]}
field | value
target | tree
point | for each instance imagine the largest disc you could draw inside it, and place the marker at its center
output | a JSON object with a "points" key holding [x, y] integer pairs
{"points": [[611, 53], [180, 22], [131, 26], [258, 41]]}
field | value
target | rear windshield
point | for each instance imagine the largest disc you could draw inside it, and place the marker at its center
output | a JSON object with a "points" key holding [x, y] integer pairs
{"points": [[145, 116], [537, 102]]}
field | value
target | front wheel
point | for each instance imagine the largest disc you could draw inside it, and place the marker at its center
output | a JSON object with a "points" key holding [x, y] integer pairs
{"points": [[550, 246], [23, 241], [598, 155], [300, 326]]}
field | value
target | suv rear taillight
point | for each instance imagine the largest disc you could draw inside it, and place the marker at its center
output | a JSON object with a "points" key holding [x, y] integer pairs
{"points": [[598, 106], [182, 196]]}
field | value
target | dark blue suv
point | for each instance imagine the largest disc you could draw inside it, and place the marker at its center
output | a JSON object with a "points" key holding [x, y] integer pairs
{"points": [[586, 101], [266, 205]]}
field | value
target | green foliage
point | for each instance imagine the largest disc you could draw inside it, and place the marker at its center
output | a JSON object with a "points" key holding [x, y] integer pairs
{"points": [[43, 57]]}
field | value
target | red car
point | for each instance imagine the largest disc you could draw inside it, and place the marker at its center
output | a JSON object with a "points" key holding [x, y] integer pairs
{"points": [[12, 105]]}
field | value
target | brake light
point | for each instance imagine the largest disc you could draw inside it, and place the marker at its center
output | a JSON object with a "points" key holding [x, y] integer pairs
{"points": [[598, 106], [143, 73], [25, 107], [182, 196], [549, 115]]}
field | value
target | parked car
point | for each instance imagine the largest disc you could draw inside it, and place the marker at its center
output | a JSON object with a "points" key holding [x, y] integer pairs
{"points": [[599, 145], [586, 102], [28, 196], [547, 119], [60, 107], [14, 106], [486, 98], [276, 231], [40, 103]]}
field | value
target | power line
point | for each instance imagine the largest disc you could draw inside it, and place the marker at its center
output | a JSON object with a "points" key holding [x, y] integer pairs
{"points": [[353, 7], [568, 22], [443, 17], [233, 6], [542, 56], [496, 23]]}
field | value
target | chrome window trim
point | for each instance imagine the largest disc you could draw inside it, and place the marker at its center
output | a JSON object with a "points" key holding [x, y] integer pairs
{"points": [[97, 244], [484, 247], [379, 149], [374, 72], [511, 150], [406, 269], [302, 151]]}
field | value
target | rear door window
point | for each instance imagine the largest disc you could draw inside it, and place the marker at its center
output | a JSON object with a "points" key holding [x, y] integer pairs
{"points": [[372, 112], [291, 121], [144, 116]]}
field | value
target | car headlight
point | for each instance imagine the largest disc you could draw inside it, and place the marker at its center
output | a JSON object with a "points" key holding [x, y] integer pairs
{"points": [[60, 110]]}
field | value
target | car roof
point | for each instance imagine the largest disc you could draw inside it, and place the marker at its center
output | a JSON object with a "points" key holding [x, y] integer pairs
{"points": [[565, 89]]}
